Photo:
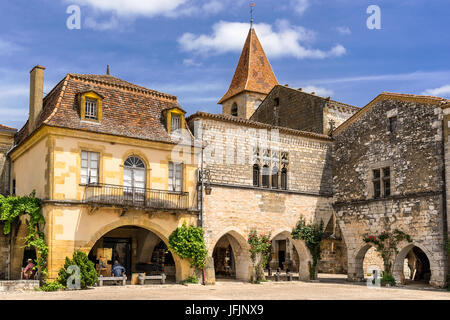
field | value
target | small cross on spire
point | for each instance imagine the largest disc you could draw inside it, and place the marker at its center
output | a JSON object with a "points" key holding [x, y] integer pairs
{"points": [[252, 5]]}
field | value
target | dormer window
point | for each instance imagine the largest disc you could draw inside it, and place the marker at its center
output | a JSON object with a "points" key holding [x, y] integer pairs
{"points": [[174, 119], [234, 110], [91, 109], [175, 122], [91, 106]]}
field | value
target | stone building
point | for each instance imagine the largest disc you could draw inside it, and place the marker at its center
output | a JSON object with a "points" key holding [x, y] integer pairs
{"points": [[389, 171], [6, 143], [118, 166]]}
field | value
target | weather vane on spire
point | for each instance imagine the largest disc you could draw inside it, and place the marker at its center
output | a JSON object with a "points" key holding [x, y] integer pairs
{"points": [[252, 5]]}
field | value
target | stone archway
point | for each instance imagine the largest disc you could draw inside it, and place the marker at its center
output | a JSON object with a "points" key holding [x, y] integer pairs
{"points": [[182, 267], [356, 263], [303, 253], [437, 277], [241, 255]]}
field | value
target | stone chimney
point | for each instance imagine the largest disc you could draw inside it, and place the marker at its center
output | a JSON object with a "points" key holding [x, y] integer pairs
{"points": [[36, 95]]}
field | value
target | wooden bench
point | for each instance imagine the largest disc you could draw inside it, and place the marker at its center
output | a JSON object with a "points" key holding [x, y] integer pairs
{"points": [[123, 279], [161, 277]]}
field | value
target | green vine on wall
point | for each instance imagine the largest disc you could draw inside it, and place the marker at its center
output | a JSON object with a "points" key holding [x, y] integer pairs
{"points": [[188, 243], [260, 246], [11, 209], [312, 234], [386, 244]]}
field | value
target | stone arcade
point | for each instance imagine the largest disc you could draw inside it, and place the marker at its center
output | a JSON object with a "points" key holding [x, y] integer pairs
{"points": [[109, 179]]}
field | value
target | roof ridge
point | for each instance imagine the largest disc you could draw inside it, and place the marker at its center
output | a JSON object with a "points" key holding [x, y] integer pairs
{"points": [[260, 124], [127, 85], [63, 82], [7, 128]]}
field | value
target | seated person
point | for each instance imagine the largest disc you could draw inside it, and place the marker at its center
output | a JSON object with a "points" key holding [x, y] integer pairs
{"points": [[117, 270], [28, 271]]}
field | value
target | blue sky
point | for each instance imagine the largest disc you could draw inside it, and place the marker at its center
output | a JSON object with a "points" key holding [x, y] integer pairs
{"points": [[190, 48]]}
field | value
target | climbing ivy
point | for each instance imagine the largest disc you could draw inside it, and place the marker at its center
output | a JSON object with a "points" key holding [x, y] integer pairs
{"points": [[386, 244], [260, 245], [11, 209], [188, 243], [312, 234]]}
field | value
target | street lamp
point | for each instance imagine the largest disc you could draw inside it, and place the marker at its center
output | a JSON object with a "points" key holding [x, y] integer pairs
{"points": [[204, 178]]}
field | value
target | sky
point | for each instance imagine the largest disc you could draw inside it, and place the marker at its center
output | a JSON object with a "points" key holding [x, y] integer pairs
{"points": [[190, 48]]}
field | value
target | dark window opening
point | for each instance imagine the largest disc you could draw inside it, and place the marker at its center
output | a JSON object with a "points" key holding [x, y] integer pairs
{"points": [[265, 176], [256, 175], [277, 101], [14, 187], [275, 178], [284, 179], [387, 181], [234, 110], [376, 183], [392, 124]]}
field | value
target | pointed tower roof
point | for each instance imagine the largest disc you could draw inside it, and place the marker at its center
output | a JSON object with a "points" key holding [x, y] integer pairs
{"points": [[253, 72]]}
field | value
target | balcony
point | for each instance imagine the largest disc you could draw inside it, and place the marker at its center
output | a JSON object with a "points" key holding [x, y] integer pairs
{"points": [[127, 197]]}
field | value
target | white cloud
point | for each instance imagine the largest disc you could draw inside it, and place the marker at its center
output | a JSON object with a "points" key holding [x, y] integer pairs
{"points": [[344, 30], [133, 7], [443, 91], [112, 23], [318, 90], [152, 8], [285, 40], [191, 63], [300, 6]]}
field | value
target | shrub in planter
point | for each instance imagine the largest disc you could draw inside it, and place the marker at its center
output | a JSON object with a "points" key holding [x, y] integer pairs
{"points": [[387, 279], [88, 274]]}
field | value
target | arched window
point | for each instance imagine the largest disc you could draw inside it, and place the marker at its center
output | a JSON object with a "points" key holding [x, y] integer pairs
{"points": [[265, 176], [234, 110], [134, 179], [284, 179], [256, 175], [275, 176]]}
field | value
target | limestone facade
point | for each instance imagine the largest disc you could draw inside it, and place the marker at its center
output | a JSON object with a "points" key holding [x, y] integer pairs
{"points": [[6, 143]]}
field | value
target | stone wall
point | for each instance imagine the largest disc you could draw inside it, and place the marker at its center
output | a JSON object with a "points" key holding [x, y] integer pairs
{"points": [[414, 154], [229, 155], [6, 142], [302, 111], [4, 245], [235, 206]]}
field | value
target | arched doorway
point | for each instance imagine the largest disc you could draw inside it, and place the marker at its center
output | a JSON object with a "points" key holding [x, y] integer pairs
{"points": [[290, 255], [231, 257], [137, 249], [412, 266], [224, 260], [365, 262]]}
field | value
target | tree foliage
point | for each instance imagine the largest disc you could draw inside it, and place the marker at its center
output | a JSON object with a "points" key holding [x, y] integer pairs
{"points": [[312, 234], [11, 209], [188, 243], [88, 274]]}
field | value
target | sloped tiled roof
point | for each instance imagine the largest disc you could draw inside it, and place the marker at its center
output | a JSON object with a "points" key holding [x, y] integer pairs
{"points": [[6, 128], [253, 72], [392, 96], [128, 110], [255, 124]]}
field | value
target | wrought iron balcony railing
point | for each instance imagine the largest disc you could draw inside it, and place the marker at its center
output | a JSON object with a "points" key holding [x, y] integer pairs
{"points": [[114, 195]]}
